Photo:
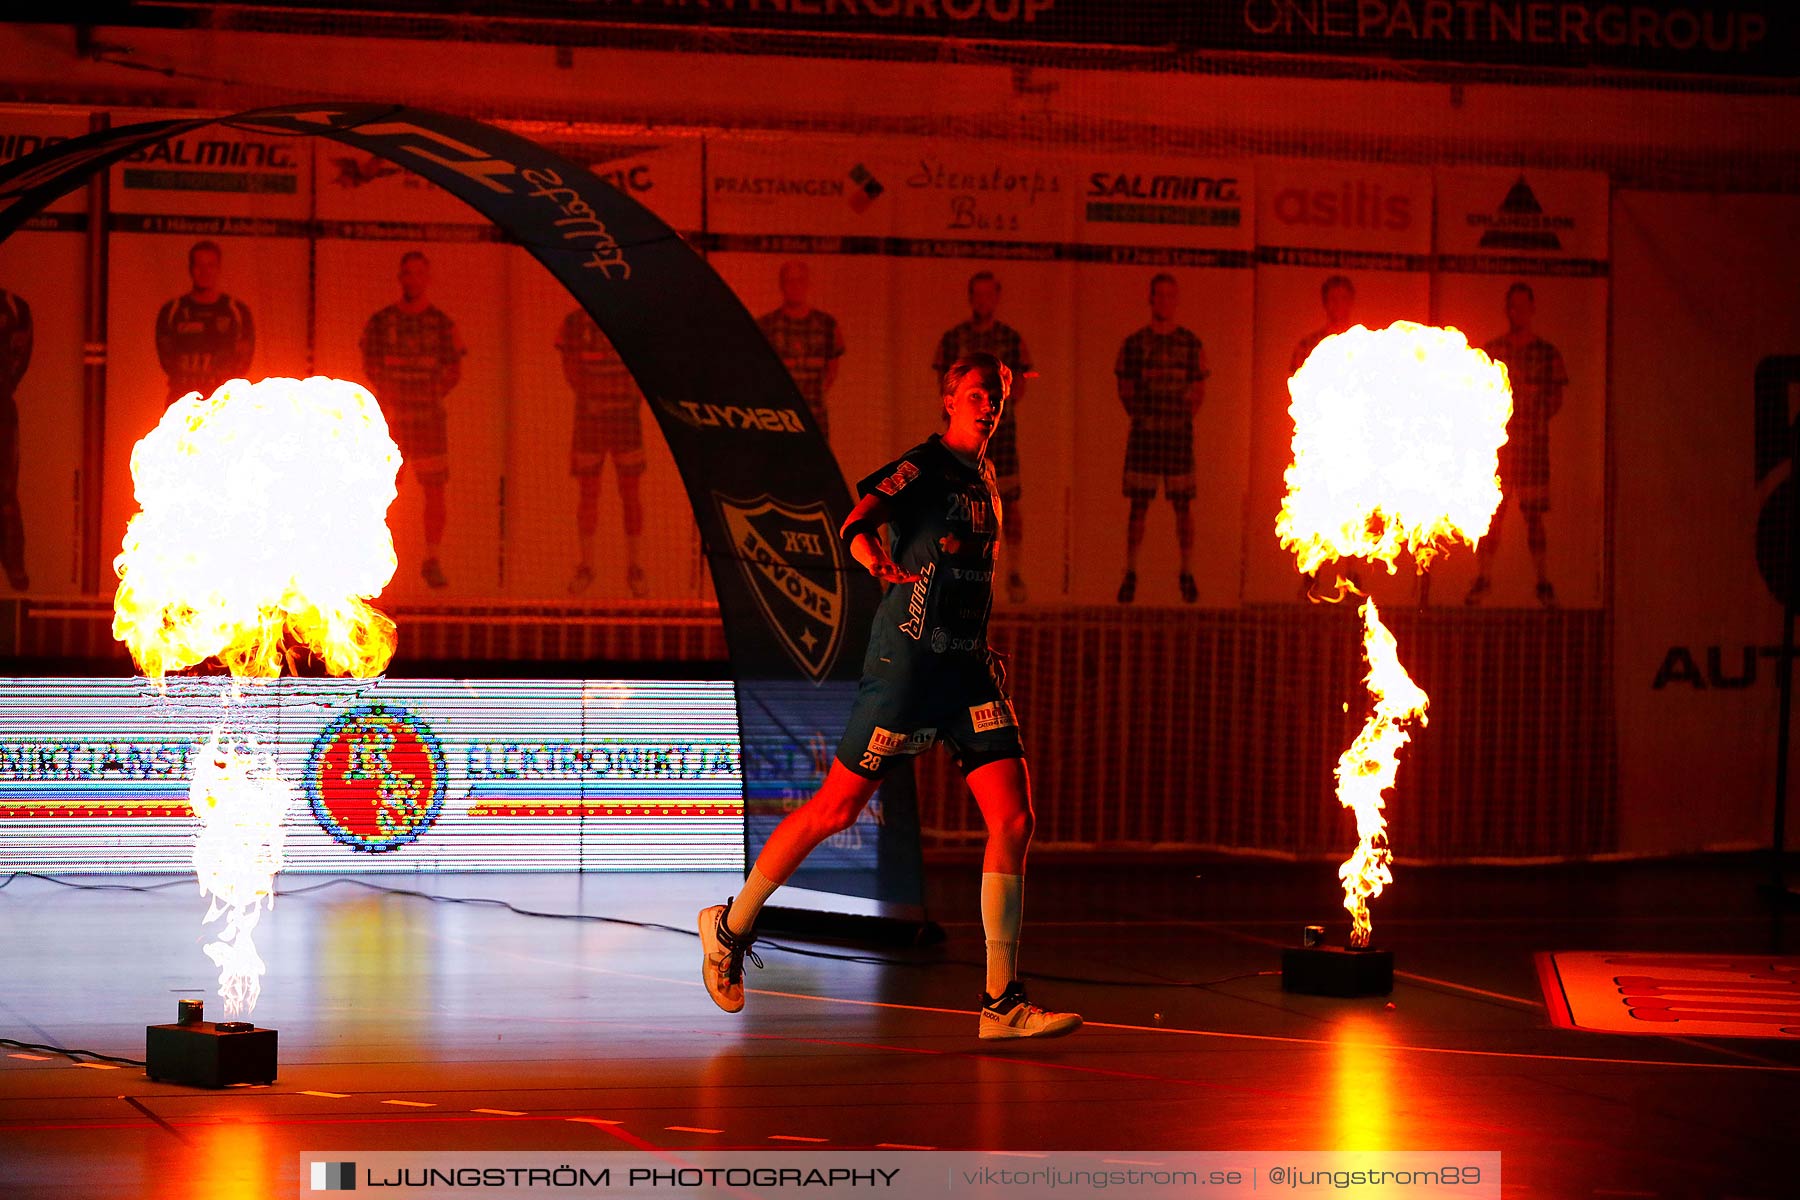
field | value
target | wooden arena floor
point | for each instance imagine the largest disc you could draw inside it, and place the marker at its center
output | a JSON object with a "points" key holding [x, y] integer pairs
{"points": [[408, 1024]]}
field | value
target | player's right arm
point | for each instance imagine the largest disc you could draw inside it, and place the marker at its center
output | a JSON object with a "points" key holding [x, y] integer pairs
{"points": [[867, 547], [1125, 370], [568, 346], [18, 354], [165, 338]]}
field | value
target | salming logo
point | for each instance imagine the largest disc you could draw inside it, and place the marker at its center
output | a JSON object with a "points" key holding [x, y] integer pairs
{"points": [[914, 625]]}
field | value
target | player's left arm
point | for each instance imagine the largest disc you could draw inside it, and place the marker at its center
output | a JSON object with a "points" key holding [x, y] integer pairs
{"points": [[450, 361], [1553, 387], [867, 547], [19, 354], [1197, 373], [834, 357]]}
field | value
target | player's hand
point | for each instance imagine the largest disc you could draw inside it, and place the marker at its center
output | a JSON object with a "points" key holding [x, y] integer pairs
{"points": [[888, 571]]}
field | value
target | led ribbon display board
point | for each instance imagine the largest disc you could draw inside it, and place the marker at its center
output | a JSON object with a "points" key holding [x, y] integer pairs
{"points": [[765, 488], [393, 774]]}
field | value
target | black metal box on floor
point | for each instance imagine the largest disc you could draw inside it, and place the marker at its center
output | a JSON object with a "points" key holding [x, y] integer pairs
{"points": [[1335, 971], [205, 1054]]}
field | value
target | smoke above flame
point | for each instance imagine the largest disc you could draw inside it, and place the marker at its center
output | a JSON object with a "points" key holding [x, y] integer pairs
{"points": [[261, 532], [262, 528], [1397, 434]]}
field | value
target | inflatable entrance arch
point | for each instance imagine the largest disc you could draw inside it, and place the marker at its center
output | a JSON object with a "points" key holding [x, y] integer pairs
{"points": [[766, 491]]}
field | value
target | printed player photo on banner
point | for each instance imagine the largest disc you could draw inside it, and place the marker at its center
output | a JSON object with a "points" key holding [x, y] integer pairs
{"points": [[799, 222], [1522, 262], [595, 510], [42, 269], [424, 327], [207, 270], [188, 313], [1159, 439], [1160, 434], [1338, 245]]}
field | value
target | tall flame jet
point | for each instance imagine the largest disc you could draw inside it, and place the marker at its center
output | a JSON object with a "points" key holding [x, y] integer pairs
{"points": [[261, 531], [1397, 434]]}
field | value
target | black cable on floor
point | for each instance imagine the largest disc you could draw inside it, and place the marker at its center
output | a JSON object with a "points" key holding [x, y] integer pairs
{"points": [[491, 902], [77, 1055]]}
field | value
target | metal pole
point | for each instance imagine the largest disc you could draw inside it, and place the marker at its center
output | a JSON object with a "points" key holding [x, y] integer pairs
{"points": [[1784, 678], [93, 369]]}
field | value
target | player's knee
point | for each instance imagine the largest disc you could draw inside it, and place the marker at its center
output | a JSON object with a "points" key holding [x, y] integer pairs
{"points": [[836, 815], [1015, 826]]}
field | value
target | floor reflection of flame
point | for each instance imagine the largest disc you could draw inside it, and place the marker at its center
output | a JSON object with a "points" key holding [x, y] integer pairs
{"points": [[229, 1161], [1361, 1095]]}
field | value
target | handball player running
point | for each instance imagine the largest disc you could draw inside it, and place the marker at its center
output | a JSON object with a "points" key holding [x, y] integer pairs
{"points": [[928, 674]]}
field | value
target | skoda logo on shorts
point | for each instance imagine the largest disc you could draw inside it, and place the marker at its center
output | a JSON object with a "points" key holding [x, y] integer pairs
{"points": [[794, 565], [941, 642]]}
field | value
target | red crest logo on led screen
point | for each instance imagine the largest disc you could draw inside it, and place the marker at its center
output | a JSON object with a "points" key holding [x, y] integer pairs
{"points": [[376, 778]]}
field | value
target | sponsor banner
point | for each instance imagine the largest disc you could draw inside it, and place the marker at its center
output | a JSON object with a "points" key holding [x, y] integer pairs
{"points": [[983, 193], [661, 173], [1706, 368], [215, 171], [1510, 220], [25, 133], [813, 188], [1316, 213], [1144, 201], [1674, 995], [1715, 37], [388, 774], [1338, 244]]}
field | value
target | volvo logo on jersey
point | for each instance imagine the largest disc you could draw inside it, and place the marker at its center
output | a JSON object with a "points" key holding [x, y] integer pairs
{"points": [[791, 558]]}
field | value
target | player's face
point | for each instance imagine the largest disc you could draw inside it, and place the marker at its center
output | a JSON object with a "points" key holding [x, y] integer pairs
{"points": [[203, 269], [984, 298], [1520, 308], [1338, 303], [975, 406], [795, 282], [415, 277], [1163, 298]]}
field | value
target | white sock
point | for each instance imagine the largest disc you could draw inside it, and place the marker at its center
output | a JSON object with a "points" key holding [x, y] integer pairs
{"points": [[749, 901], [1002, 910]]}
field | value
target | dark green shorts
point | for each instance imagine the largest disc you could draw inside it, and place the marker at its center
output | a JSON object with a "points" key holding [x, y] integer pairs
{"points": [[905, 706]]}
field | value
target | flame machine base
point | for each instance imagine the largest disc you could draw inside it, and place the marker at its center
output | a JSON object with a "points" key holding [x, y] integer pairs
{"points": [[205, 1054], [1335, 971]]}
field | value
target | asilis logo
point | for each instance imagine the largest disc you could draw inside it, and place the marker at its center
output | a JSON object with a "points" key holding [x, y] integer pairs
{"points": [[333, 1177]]}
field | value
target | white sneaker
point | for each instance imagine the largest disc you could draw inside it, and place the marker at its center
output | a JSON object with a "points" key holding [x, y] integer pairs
{"points": [[722, 956], [1013, 1016]]}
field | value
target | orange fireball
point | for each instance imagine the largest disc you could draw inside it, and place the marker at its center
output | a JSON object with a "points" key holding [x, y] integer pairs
{"points": [[262, 527]]}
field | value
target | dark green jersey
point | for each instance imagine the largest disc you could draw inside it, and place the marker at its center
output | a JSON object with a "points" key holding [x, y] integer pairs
{"points": [[944, 523]]}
